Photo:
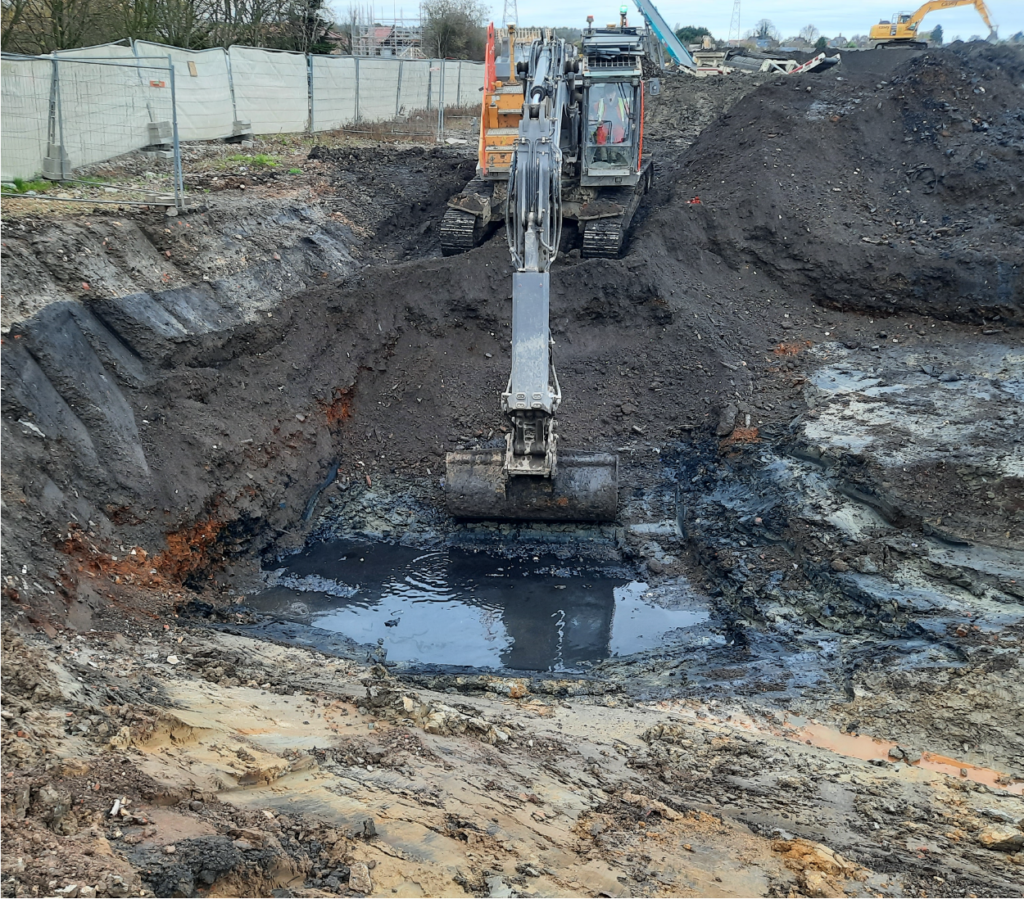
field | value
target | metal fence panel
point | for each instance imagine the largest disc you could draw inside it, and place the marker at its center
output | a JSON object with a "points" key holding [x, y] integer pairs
{"points": [[414, 90], [25, 96], [203, 87], [271, 89], [451, 70], [106, 108], [334, 92], [378, 88], [471, 83]]}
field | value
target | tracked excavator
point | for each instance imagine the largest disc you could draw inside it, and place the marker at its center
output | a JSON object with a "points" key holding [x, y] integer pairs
{"points": [[603, 174], [901, 30], [577, 151]]}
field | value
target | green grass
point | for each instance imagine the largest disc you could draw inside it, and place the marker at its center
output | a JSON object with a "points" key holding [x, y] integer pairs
{"points": [[294, 171], [260, 159], [23, 187]]}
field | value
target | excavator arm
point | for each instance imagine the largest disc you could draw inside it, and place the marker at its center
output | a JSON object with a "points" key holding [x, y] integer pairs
{"points": [[534, 227], [934, 5], [530, 478]]}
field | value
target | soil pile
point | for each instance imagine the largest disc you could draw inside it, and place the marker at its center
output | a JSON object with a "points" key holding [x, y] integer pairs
{"points": [[896, 194]]}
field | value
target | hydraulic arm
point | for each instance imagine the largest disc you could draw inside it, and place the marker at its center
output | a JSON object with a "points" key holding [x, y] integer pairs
{"points": [[534, 229], [902, 30], [530, 478]]}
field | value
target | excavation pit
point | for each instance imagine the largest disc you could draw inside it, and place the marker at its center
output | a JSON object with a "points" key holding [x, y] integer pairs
{"points": [[453, 606]]}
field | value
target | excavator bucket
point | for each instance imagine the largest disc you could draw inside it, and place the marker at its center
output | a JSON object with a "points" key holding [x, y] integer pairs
{"points": [[584, 488]]}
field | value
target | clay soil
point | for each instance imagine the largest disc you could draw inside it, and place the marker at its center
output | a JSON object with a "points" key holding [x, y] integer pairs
{"points": [[809, 361]]}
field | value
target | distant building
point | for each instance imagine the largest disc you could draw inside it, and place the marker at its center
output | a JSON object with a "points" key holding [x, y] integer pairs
{"points": [[402, 40]]}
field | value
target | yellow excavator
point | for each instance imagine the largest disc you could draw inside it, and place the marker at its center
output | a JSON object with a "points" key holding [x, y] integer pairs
{"points": [[901, 30]]}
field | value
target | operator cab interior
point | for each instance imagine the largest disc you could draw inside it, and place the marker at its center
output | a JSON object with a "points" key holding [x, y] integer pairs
{"points": [[611, 127]]}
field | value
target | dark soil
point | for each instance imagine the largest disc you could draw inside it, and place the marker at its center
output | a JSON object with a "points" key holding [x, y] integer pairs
{"points": [[891, 195]]}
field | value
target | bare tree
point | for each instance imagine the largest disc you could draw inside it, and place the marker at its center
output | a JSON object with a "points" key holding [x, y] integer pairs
{"points": [[450, 27], [13, 14], [765, 31], [185, 23], [809, 33], [41, 26]]}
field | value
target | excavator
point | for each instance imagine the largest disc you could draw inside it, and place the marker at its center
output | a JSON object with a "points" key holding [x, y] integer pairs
{"points": [[901, 31], [576, 152], [603, 173]]}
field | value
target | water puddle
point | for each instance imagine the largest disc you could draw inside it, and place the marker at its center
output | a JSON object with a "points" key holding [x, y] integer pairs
{"points": [[455, 607]]}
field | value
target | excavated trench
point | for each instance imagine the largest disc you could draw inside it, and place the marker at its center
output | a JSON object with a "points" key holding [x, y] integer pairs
{"points": [[235, 424]]}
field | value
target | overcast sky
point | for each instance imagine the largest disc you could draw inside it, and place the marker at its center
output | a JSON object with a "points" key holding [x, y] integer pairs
{"points": [[789, 16]]}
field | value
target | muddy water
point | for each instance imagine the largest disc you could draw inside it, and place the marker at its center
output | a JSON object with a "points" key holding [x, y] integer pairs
{"points": [[452, 606]]}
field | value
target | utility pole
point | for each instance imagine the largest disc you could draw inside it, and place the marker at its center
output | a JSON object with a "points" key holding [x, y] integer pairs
{"points": [[510, 13], [734, 23]]}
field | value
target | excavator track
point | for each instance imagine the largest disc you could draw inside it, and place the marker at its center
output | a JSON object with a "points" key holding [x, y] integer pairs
{"points": [[605, 237], [602, 238], [464, 224], [460, 231]]}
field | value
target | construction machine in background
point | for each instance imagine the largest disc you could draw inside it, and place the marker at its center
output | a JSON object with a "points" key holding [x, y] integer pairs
{"points": [[576, 151], [901, 30], [603, 174]]}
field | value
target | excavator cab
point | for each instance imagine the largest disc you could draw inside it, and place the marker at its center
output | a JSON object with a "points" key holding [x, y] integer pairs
{"points": [[612, 107], [611, 130]]}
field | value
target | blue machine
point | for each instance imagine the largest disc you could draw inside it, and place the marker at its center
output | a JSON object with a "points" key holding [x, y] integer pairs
{"points": [[666, 35]]}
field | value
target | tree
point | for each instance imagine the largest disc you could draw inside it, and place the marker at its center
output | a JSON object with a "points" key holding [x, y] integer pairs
{"points": [[765, 31], [691, 34], [13, 13], [936, 37], [452, 27], [809, 33], [820, 44], [40, 26]]}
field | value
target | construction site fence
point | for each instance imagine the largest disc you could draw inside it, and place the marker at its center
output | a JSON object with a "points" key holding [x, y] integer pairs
{"points": [[60, 106]]}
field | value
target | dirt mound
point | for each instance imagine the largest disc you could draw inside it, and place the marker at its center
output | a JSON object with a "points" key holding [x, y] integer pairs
{"points": [[407, 189], [872, 194]]}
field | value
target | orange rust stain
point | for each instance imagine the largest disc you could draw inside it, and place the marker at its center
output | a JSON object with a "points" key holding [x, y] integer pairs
{"points": [[340, 408], [793, 348], [188, 550], [862, 746], [742, 435]]}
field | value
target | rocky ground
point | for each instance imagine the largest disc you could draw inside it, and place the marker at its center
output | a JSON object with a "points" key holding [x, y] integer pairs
{"points": [[815, 392]]}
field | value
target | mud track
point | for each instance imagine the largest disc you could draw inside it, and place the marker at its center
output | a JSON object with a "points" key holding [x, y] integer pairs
{"points": [[812, 377]]}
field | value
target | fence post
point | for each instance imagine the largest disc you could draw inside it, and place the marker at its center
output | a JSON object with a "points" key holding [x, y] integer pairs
{"points": [[458, 86], [430, 82], [179, 180], [312, 97], [440, 106], [398, 92], [231, 85], [55, 164], [357, 89]]}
